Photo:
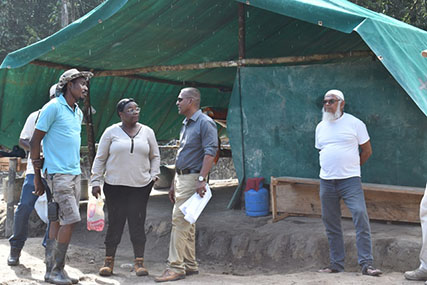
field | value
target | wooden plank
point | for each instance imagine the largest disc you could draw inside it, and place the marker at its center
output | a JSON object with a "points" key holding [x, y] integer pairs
{"points": [[10, 197], [365, 186], [383, 202], [273, 198], [21, 164]]}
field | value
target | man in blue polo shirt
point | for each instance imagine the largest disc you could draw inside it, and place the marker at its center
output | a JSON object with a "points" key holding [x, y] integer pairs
{"points": [[59, 127]]}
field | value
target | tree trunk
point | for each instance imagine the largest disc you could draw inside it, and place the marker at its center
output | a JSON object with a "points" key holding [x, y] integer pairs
{"points": [[64, 13]]}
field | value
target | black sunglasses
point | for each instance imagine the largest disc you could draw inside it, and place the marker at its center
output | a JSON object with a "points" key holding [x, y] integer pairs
{"points": [[179, 99], [330, 102]]}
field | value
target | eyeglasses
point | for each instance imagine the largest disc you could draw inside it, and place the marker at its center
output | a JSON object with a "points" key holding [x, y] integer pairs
{"points": [[330, 102], [133, 111]]}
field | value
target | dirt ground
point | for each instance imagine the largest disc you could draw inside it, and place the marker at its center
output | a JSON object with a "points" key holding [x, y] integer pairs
{"points": [[232, 249], [81, 263]]}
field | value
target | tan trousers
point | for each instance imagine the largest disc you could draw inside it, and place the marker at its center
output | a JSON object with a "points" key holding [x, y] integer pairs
{"points": [[182, 247]]}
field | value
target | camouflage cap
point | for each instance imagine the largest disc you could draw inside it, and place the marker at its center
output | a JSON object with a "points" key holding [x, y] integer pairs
{"points": [[72, 74]]}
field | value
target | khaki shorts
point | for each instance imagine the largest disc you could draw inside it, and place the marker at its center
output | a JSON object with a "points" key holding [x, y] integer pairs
{"points": [[66, 192]]}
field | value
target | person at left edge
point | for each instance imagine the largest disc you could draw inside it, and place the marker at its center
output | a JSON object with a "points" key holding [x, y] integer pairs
{"points": [[27, 199], [59, 127]]}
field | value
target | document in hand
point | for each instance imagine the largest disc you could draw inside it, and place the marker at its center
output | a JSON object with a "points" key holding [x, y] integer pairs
{"points": [[193, 207]]}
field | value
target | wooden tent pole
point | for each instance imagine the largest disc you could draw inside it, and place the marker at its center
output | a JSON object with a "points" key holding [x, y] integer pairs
{"points": [[242, 31], [89, 127], [235, 63]]}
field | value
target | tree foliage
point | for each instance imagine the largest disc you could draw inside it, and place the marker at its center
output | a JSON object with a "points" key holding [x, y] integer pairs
{"points": [[413, 12], [23, 22]]}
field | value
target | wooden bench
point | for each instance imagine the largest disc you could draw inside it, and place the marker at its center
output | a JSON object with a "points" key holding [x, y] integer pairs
{"points": [[291, 196], [20, 166]]}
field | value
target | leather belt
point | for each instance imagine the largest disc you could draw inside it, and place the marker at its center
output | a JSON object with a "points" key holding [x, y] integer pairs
{"points": [[185, 171]]}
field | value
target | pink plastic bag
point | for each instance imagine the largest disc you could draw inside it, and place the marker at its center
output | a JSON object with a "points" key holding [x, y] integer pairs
{"points": [[95, 214]]}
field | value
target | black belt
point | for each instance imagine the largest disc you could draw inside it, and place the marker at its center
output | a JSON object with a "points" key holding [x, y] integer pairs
{"points": [[185, 171]]}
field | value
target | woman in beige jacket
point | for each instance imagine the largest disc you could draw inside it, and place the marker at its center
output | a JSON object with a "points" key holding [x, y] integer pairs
{"points": [[128, 162]]}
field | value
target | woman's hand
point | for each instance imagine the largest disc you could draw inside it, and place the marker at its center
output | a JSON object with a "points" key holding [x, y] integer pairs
{"points": [[96, 190]]}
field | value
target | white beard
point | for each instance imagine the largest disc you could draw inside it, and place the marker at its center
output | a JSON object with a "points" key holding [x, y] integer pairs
{"points": [[327, 116]]}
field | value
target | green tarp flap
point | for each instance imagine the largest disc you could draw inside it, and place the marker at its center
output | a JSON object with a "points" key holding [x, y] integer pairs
{"points": [[397, 44], [273, 134]]}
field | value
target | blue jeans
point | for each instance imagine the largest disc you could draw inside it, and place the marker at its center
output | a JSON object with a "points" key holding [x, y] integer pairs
{"points": [[22, 214], [350, 190]]}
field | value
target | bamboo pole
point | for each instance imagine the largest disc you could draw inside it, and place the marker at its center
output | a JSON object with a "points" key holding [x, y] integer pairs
{"points": [[222, 88], [10, 210], [135, 72], [242, 31], [234, 63], [89, 127]]}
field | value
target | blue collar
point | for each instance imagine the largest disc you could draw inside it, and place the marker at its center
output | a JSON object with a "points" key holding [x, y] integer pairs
{"points": [[61, 100]]}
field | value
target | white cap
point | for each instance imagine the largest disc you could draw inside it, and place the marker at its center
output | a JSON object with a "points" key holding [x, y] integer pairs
{"points": [[52, 90], [336, 93]]}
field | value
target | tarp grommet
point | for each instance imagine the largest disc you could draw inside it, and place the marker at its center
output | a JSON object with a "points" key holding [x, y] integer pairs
{"points": [[320, 23], [100, 21], [380, 57]]}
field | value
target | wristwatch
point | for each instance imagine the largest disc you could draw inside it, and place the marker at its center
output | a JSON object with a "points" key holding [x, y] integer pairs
{"points": [[201, 178]]}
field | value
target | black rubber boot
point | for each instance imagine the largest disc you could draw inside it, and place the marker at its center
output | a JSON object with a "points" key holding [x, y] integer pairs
{"points": [[50, 246], [57, 275], [13, 258]]}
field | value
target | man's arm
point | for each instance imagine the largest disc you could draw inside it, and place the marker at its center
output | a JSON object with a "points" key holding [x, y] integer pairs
{"points": [[366, 152], [25, 144], [206, 167], [35, 143]]}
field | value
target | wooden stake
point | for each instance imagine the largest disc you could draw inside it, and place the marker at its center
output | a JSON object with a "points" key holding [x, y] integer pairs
{"points": [[242, 31], [13, 162], [89, 127]]}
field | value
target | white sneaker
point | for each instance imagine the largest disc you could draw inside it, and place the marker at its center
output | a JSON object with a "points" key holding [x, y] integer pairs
{"points": [[417, 274]]}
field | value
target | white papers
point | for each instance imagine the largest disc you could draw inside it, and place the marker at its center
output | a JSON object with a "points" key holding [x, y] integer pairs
{"points": [[193, 207], [41, 208]]}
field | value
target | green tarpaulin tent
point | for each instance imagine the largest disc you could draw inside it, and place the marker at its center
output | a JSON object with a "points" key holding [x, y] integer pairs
{"points": [[139, 36]]}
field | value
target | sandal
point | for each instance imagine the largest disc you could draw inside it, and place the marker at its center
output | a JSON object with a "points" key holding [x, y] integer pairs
{"points": [[327, 270], [371, 271]]}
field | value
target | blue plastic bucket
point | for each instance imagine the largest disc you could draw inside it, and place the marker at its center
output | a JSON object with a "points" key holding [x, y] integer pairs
{"points": [[256, 202]]}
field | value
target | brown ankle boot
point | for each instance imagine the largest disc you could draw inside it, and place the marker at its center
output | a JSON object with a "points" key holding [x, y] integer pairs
{"points": [[139, 267], [107, 269]]}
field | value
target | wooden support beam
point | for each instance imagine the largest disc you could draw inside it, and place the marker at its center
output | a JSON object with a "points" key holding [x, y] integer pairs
{"points": [[235, 63], [135, 73], [221, 88], [89, 127], [242, 31], [10, 211], [216, 64]]}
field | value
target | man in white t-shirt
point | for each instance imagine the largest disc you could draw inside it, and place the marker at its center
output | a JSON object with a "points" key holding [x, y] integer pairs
{"points": [[338, 138], [28, 198], [421, 272]]}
